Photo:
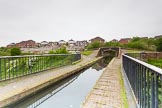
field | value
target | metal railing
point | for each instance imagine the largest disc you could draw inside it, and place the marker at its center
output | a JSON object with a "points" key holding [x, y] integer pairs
{"points": [[17, 66], [145, 81]]}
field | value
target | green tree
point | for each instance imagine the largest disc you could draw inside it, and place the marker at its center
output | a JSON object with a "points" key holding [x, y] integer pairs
{"points": [[61, 51], [94, 45], [159, 44], [51, 52], [15, 51], [4, 51], [112, 44]]}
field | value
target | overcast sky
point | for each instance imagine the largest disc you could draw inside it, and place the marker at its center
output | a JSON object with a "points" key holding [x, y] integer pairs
{"points": [[52, 20]]}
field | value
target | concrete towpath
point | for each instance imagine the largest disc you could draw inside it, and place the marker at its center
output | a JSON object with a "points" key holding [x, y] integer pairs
{"points": [[16, 89], [108, 90]]}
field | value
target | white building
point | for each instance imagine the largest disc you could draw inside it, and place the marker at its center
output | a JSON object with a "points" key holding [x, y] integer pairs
{"points": [[62, 42], [44, 43]]}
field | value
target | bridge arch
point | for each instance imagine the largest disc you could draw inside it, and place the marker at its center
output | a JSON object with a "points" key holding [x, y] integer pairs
{"points": [[106, 51]]}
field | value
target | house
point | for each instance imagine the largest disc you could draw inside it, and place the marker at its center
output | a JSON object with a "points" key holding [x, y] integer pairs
{"points": [[97, 39], [75, 48], [26, 44], [157, 37], [11, 45], [53, 44], [82, 43], [114, 40], [62, 42], [71, 42], [124, 40], [44, 44]]}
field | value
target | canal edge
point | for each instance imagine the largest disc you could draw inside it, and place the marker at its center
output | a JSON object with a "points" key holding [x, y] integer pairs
{"points": [[25, 93], [86, 98]]}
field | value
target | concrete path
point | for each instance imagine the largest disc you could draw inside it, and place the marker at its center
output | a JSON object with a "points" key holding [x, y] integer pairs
{"points": [[11, 89], [107, 91]]}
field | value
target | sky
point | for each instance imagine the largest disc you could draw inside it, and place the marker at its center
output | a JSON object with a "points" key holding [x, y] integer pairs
{"points": [[53, 20]]}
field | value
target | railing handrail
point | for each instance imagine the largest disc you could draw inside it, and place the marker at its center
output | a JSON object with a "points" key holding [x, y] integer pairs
{"points": [[154, 68], [34, 55]]}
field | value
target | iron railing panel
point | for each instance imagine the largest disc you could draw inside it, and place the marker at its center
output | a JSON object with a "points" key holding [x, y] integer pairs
{"points": [[17, 66], [145, 81]]}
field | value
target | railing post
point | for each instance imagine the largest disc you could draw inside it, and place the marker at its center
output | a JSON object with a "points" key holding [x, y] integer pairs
{"points": [[156, 93], [5, 68], [0, 69], [152, 90]]}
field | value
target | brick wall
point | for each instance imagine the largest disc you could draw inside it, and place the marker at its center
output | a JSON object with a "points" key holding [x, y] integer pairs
{"points": [[151, 55]]}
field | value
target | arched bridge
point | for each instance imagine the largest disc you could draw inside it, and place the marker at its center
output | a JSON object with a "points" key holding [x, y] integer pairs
{"points": [[106, 51]]}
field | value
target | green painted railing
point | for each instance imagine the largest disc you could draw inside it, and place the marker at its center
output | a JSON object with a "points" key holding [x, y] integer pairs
{"points": [[17, 66]]}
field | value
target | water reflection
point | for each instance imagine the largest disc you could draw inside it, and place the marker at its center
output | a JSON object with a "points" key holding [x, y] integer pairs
{"points": [[44, 95], [68, 93], [102, 63]]}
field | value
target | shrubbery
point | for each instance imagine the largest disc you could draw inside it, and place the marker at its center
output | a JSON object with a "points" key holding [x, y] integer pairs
{"points": [[15, 51], [4, 51], [59, 51], [94, 45], [159, 44]]}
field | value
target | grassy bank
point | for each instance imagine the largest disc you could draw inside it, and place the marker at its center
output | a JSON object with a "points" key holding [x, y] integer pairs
{"points": [[86, 53], [155, 62]]}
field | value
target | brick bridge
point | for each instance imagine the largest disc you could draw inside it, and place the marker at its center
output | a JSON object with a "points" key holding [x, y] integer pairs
{"points": [[105, 51]]}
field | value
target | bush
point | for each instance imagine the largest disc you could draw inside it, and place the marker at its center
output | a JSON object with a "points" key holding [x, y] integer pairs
{"points": [[112, 44], [15, 51], [4, 53], [141, 43], [51, 52], [159, 44], [59, 51], [94, 45]]}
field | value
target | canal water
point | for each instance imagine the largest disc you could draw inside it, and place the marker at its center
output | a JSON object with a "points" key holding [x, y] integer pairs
{"points": [[68, 93]]}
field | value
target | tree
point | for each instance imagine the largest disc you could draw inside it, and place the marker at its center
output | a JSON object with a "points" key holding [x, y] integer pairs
{"points": [[94, 45], [159, 44], [112, 44], [15, 51], [51, 52], [62, 50]]}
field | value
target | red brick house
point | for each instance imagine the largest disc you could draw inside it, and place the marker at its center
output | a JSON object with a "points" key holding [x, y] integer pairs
{"points": [[26, 44], [23, 44], [124, 40], [97, 39]]}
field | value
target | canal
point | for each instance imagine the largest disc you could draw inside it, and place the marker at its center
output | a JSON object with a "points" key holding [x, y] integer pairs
{"points": [[68, 93]]}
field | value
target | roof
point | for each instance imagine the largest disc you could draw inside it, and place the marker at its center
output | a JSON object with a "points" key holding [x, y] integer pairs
{"points": [[98, 38], [124, 40]]}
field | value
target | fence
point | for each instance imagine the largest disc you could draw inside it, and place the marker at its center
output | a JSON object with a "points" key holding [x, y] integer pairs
{"points": [[16, 66], [145, 81]]}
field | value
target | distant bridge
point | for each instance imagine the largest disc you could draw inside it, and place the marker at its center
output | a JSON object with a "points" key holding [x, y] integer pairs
{"points": [[106, 51]]}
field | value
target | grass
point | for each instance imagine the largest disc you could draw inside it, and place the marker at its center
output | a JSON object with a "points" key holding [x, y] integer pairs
{"points": [[155, 62], [86, 53], [133, 51], [123, 92], [77, 62]]}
